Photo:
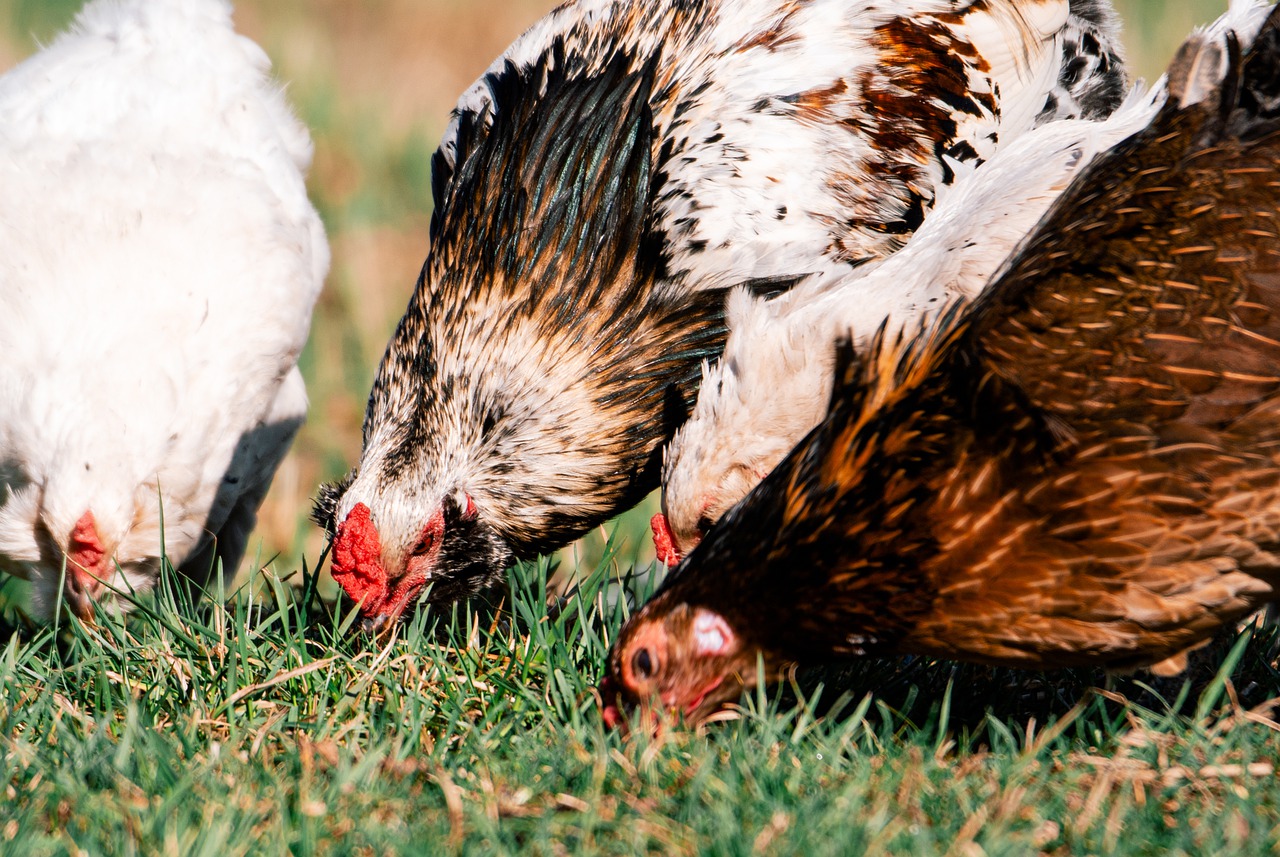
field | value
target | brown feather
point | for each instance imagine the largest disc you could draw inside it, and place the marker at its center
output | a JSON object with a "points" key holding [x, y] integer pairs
{"points": [[1084, 469]]}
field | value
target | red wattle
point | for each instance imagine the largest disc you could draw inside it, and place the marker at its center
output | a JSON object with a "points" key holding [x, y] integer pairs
{"points": [[700, 698], [85, 552], [663, 542], [357, 560]]}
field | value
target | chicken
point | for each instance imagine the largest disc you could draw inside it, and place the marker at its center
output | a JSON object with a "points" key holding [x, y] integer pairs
{"points": [[1081, 469], [599, 189], [160, 262], [773, 382]]}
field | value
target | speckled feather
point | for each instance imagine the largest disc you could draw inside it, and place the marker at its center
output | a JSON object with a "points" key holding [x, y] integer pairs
{"points": [[772, 383], [1085, 468]]}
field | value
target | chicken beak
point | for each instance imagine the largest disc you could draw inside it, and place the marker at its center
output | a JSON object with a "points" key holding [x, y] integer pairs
{"points": [[79, 600], [611, 711], [376, 626], [617, 712]]}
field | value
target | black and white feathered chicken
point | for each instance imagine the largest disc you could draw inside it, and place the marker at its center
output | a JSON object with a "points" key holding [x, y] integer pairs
{"points": [[619, 168], [159, 260]]}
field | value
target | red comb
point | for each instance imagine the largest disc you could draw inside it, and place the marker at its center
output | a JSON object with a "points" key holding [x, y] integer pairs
{"points": [[663, 542], [357, 560]]}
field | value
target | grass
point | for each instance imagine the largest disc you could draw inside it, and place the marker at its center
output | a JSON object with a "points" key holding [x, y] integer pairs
{"points": [[254, 723], [261, 726]]}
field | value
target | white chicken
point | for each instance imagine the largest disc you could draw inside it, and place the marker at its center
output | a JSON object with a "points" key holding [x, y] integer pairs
{"points": [[773, 382], [159, 260]]}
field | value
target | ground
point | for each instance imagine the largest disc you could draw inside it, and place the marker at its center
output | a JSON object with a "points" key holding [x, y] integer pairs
{"points": [[262, 727]]}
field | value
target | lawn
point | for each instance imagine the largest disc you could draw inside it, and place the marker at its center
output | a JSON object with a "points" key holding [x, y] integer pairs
{"points": [[261, 727], [253, 723]]}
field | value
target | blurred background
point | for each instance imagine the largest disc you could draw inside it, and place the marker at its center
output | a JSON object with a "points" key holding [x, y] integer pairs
{"points": [[375, 80]]}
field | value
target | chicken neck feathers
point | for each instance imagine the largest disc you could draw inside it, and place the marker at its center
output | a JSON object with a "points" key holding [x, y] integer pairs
{"points": [[538, 317]]}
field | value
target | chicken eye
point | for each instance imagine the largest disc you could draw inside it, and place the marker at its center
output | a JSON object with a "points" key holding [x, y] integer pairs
{"points": [[642, 665], [424, 545], [705, 524]]}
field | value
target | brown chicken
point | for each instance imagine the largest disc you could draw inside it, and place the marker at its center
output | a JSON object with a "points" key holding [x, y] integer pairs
{"points": [[1084, 468]]}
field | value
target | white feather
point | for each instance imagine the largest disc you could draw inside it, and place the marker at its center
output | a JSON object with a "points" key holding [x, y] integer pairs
{"points": [[159, 260], [749, 211]]}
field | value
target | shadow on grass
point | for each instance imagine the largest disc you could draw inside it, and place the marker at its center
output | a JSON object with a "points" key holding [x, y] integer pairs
{"points": [[977, 705]]}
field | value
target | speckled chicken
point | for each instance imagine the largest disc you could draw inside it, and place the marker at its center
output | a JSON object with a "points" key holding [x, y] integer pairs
{"points": [[772, 384], [159, 260], [598, 190], [1083, 468]]}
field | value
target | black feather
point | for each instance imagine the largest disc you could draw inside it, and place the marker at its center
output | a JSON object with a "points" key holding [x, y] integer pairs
{"points": [[324, 509], [771, 287], [850, 368], [1257, 102], [560, 171]]}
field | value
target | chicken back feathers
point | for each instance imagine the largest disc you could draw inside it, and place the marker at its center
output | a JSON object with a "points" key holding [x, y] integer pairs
{"points": [[1081, 469], [160, 262], [599, 189], [772, 384]]}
